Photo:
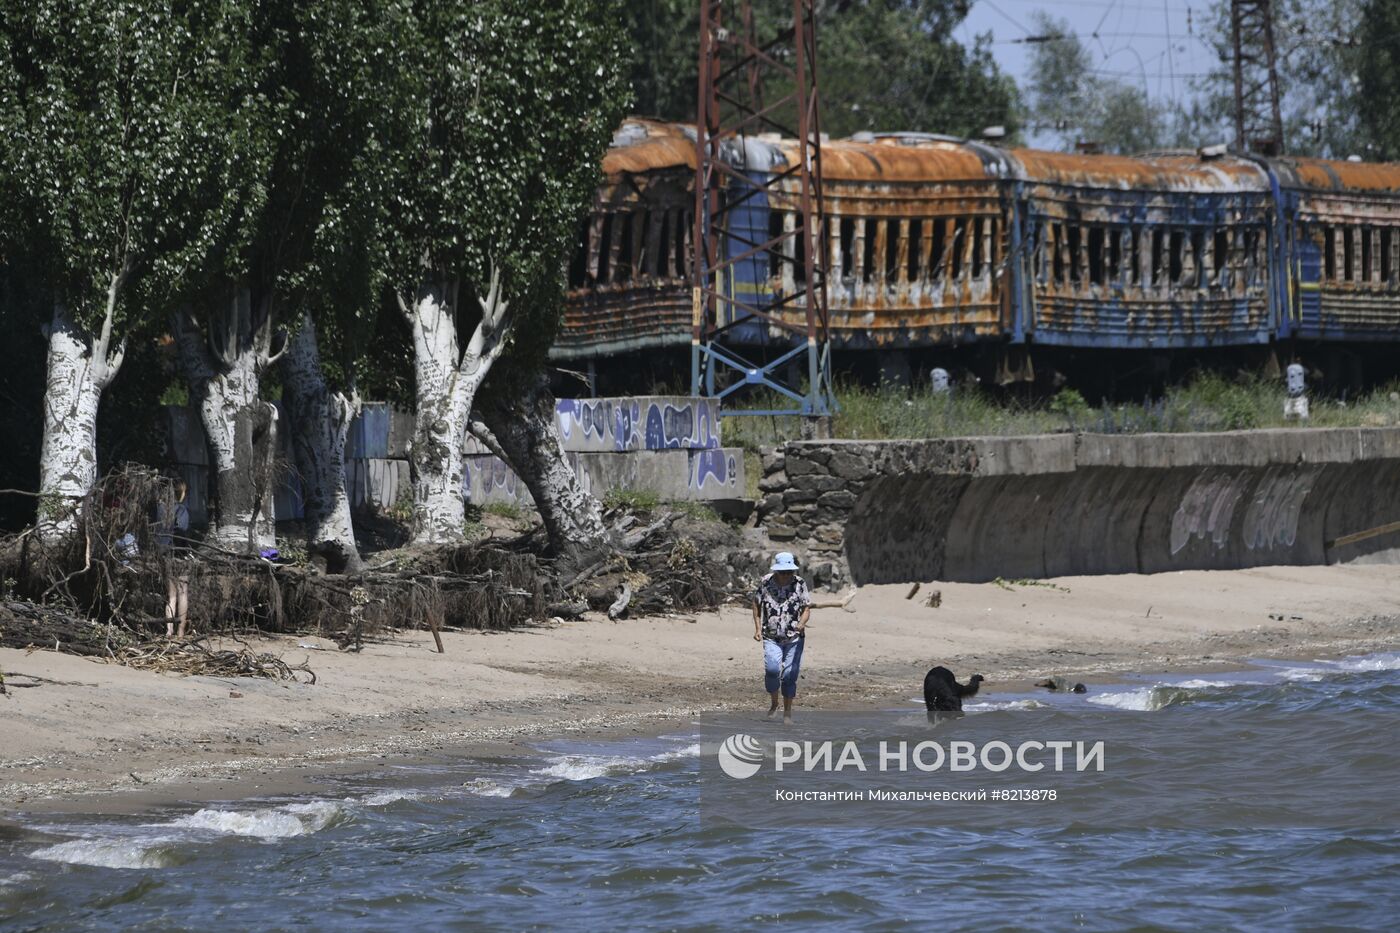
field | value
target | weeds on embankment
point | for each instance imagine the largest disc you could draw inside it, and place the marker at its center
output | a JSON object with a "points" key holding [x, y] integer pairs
{"points": [[1207, 403]]}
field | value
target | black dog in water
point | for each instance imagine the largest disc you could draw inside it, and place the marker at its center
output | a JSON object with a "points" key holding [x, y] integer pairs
{"points": [[943, 693]]}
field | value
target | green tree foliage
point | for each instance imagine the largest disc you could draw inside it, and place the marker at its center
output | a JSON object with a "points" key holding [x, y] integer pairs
{"points": [[884, 65], [513, 103], [1377, 57], [111, 137], [1066, 99], [1321, 52]]}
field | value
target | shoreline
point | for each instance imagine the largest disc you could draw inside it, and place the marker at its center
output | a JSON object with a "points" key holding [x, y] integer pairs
{"points": [[94, 737]]}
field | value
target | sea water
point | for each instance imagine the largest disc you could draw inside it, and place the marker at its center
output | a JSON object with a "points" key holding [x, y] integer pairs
{"points": [[603, 835]]}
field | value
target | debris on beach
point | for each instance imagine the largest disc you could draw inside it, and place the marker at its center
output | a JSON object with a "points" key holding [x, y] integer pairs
{"points": [[195, 657]]}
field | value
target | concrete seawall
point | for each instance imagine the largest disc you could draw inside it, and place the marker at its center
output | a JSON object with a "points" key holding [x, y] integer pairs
{"points": [[973, 509]]}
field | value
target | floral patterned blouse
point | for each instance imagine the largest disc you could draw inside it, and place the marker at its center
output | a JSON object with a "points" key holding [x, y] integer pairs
{"points": [[780, 607]]}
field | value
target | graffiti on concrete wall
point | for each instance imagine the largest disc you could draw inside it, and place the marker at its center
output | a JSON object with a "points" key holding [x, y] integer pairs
{"points": [[1207, 508], [487, 477], [637, 423], [714, 467], [1271, 520]]}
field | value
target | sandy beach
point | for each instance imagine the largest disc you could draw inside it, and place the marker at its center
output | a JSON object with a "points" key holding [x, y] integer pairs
{"points": [[72, 727]]}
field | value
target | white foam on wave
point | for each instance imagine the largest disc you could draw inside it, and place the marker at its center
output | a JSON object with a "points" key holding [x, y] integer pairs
{"points": [[588, 767], [295, 819], [110, 853], [483, 787], [18, 878], [1143, 700], [1376, 662], [1302, 674], [385, 797], [986, 706]]}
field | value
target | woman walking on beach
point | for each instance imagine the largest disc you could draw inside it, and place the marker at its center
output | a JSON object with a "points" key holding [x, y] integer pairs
{"points": [[781, 608]]}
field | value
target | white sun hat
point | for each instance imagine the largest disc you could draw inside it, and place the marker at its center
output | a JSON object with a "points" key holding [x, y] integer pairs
{"points": [[783, 561]]}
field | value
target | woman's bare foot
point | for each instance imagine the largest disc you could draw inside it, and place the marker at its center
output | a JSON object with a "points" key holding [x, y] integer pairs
{"points": [[774, 708]]}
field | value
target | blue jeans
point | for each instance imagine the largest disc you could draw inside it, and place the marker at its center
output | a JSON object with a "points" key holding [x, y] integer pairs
{"points": [[781, 664]]}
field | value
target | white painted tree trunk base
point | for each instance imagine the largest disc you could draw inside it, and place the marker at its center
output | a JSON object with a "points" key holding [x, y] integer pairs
{"points": [[319, 421], [526, 428], [79, 370]]}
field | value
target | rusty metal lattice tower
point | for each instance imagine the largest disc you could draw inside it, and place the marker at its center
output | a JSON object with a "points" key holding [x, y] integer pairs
{"points": [[759, 286], [1258, 118]]}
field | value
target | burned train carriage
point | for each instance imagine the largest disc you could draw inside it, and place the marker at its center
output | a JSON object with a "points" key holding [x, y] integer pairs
{"points": [[937, 242]]}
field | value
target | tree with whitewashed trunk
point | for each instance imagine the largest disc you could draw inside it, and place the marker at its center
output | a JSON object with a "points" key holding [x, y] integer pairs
{"points": [[304, 201], [516, 103], [347, 62], [447, 377], [320, 420], [224, 352], [521, 425], [104, 145]]}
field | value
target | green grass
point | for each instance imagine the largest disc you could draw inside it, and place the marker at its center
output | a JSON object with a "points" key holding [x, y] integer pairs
{"points": [[646, 501], [637, 500], [1208, 402], [511, 510]]}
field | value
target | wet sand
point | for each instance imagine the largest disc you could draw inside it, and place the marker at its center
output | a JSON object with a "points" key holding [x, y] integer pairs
{"points": [[72, 728]]}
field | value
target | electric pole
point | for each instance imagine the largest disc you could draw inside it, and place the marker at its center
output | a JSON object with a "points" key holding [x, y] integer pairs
{"points": [[1258, 119]]}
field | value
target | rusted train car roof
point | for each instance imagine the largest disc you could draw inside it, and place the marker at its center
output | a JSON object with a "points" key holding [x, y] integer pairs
{"points": [[902, 160], [1153, 173], [1331, 175], [643, 145]]}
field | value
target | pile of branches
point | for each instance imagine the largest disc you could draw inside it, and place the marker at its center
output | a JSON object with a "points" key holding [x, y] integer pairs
{"points": [[667, 561], [26, 625], [195, 657]]}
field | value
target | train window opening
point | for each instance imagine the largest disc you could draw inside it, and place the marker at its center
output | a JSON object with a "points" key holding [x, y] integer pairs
{"points": [[916, 245], [775, 252], [799, 250], [1195, 273], [1329, 254], [1221, 256], [1348, 253], [1251, 245], [1365, 233], [1115, 253], [641, 238], [1387, 269], [868, 253], [978, 231], [1074, 236], [993, 245], [1175, 265], [1135, 250], [1038, 253], [1159, 256], [625, 256], [1095, 248], [658, 238], [935, 261], [847, 235], [578, 260], [1057, 239], [891, 251], [605, 238], [958, 247], [682, 241]]}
